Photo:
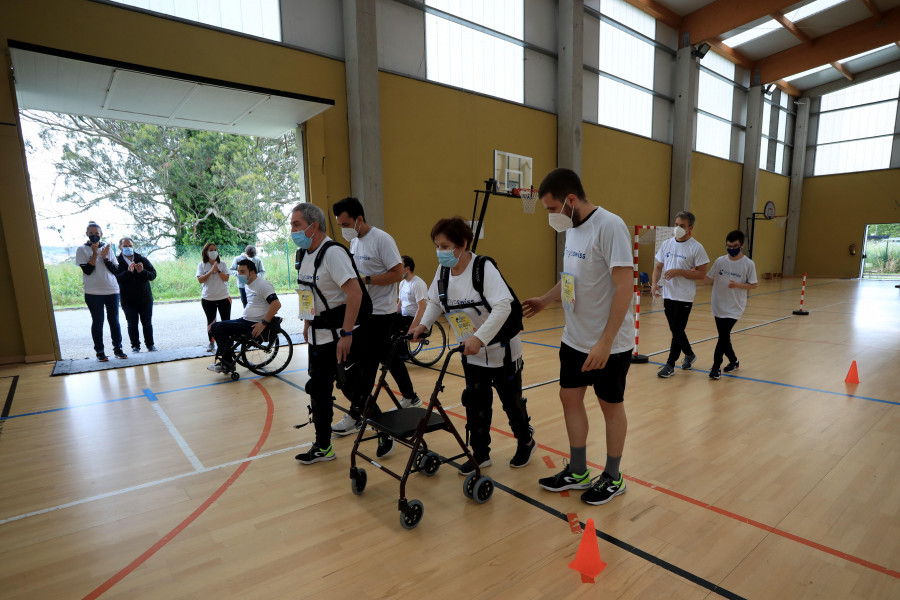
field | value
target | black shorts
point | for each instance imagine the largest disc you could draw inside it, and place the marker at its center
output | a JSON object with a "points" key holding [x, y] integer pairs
{"points": [[608, 382]]}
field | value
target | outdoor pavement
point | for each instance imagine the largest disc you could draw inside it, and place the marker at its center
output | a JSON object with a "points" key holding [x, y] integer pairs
{"points": [[175, 325]]}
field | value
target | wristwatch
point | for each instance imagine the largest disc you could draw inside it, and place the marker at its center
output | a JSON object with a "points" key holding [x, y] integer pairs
{"points": [[368, 280], [264, 322], [345, 333]]}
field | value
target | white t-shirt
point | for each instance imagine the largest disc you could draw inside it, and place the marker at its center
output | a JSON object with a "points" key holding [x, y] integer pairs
{"points": [[593, 248], [257, 307], [101, 281], [213, 288], [729, 303], [411, 293], [680, 255], [335, 270], [374, 254], [461, 291]]}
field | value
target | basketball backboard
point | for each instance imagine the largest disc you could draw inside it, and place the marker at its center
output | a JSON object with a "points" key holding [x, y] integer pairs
{"points": [[512, 171]]}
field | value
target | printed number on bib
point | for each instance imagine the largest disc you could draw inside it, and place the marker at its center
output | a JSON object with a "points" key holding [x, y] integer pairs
{"points": [[568, 291], [307, 305], [461, 324]]}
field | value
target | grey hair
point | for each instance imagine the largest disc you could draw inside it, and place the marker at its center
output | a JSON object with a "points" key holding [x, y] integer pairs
{"points": [[687, 215], [126, 238], [311, 214]]}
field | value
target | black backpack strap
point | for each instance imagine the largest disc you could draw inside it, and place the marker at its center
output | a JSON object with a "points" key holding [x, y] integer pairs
{"points": [[443, 284], [478, 277]]}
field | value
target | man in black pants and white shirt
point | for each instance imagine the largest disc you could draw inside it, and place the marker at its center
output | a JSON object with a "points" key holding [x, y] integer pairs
{"points": [[378, 261], [680, 261]]}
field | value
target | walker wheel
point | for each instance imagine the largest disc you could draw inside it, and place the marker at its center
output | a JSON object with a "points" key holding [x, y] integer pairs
{"points": [[469, 485], [484, 489], [358, 483], [430, 464], [235, 376], [412, 515]]}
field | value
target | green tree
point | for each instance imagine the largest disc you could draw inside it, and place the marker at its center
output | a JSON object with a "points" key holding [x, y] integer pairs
{"points": [[181, 186]]}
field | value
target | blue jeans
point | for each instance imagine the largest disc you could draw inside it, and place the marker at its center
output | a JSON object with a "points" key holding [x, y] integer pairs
{"points": [[96, 304]]}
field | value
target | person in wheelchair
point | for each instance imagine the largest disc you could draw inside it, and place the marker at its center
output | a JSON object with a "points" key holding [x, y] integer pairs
{"points": [[262, 306]]}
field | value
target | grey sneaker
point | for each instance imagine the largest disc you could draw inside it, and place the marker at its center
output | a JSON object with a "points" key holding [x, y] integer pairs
{"points": [[666, 371], [410, 402], [688, 362], [211, 347], [346, 426]]}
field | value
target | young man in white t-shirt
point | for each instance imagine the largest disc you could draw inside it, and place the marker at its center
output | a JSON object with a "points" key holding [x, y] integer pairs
{"points": [[332, 346], [378, 261], [596, 290], [261, 308], [731, 276], [680, 262], [412, 295]]}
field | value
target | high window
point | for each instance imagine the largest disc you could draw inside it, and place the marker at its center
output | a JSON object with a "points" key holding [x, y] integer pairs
{"points": [[261, 18]]}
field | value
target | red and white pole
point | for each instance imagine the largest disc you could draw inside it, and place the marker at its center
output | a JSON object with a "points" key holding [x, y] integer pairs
{"points": [[636, 357], [802, 294]]}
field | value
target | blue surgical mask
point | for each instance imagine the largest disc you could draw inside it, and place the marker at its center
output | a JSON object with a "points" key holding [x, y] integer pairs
{"points": [[447, 259], [127, 250], [242, 279], [733, 251], [301, 239]]}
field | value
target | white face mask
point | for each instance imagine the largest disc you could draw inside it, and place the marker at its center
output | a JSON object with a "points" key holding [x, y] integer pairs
{"points": [[679, 232], [212, 254], [349, 234], [559, 221]]}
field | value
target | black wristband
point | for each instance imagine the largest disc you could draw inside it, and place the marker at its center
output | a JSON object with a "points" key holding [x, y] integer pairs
{"points": [[368, 280], [344, 333]]}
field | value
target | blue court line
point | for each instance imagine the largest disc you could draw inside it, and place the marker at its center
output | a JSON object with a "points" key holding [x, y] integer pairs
{"points": [[194, 387], [790, 385], [150, 395]]}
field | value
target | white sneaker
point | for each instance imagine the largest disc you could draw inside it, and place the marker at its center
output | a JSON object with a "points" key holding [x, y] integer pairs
{"points": [[346, 426], [215, 368], [410, 402]]}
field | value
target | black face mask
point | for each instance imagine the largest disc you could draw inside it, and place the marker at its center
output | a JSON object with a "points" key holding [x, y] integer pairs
{"points": [[94, 238]]}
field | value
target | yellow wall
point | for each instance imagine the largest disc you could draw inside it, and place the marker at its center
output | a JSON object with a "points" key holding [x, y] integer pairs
{"points": [[715, 201], [768, 245], [834, 213], [120, 34], [628, 175], [437, 147]]}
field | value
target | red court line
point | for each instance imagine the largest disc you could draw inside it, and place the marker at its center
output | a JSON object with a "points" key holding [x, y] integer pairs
{"points": [[724, 513], [270, 415]]}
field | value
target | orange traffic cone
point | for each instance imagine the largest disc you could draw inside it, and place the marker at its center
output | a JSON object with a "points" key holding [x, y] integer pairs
{"points": [[852, 374], [587, 559]]}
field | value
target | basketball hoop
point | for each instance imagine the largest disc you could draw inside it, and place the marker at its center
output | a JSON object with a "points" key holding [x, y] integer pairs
{"points": [[529, 199]]}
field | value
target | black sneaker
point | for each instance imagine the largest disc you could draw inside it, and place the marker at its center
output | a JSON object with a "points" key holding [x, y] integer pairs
{"points": [[385, 445], [688, 362], [523, 454], [566, 480], [603, 489], [732, 367], [469, 466], [666, 371], [316, 455], [152, 348], [715, 374], [135, 348], [119, 354], [101, 357]]}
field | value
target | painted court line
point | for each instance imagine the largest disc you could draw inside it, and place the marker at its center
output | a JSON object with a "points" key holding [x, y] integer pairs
{"points": [[173, 431], [127, 570]]}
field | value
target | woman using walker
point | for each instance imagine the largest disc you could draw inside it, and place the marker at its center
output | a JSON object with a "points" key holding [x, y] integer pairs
{"points": [[492, 353]]}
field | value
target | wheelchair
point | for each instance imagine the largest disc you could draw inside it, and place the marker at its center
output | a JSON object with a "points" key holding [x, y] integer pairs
{"points": [[268, 354]]}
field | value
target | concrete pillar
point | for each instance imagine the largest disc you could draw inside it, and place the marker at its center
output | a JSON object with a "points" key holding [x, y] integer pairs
{"points": [[798, 167], [363, 112], [570, 102], [687, 77], [752, 141]]}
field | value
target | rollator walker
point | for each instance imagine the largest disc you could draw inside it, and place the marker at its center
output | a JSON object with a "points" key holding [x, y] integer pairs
{"points": [[408, 426]]}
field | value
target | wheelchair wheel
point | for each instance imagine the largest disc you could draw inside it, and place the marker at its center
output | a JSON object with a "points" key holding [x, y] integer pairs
{"points": [[268, 354], [420, 353]]}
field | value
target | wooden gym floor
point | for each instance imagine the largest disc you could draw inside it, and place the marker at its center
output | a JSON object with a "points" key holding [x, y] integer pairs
{"points": [[168, 481]]}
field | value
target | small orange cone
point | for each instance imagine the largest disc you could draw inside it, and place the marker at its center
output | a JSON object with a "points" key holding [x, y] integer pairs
{"points": [[852, 374], [587, 559]]}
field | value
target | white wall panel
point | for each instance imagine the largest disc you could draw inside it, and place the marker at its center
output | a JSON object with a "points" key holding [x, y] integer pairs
{"points": [[401, 38], [541, 23], [540, 81], [316, 25]]}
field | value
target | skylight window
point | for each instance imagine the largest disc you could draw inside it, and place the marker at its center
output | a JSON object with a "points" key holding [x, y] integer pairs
{"points": [[808, 72], [798, 14]]}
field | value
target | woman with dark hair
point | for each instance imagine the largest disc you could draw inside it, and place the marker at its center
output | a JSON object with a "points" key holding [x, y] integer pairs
{"points": [[213, 277], [134, 275], [101, 289], [492, 353]]}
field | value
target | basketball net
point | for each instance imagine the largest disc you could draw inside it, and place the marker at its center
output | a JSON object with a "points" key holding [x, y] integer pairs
{"points": [[529, 199]]}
